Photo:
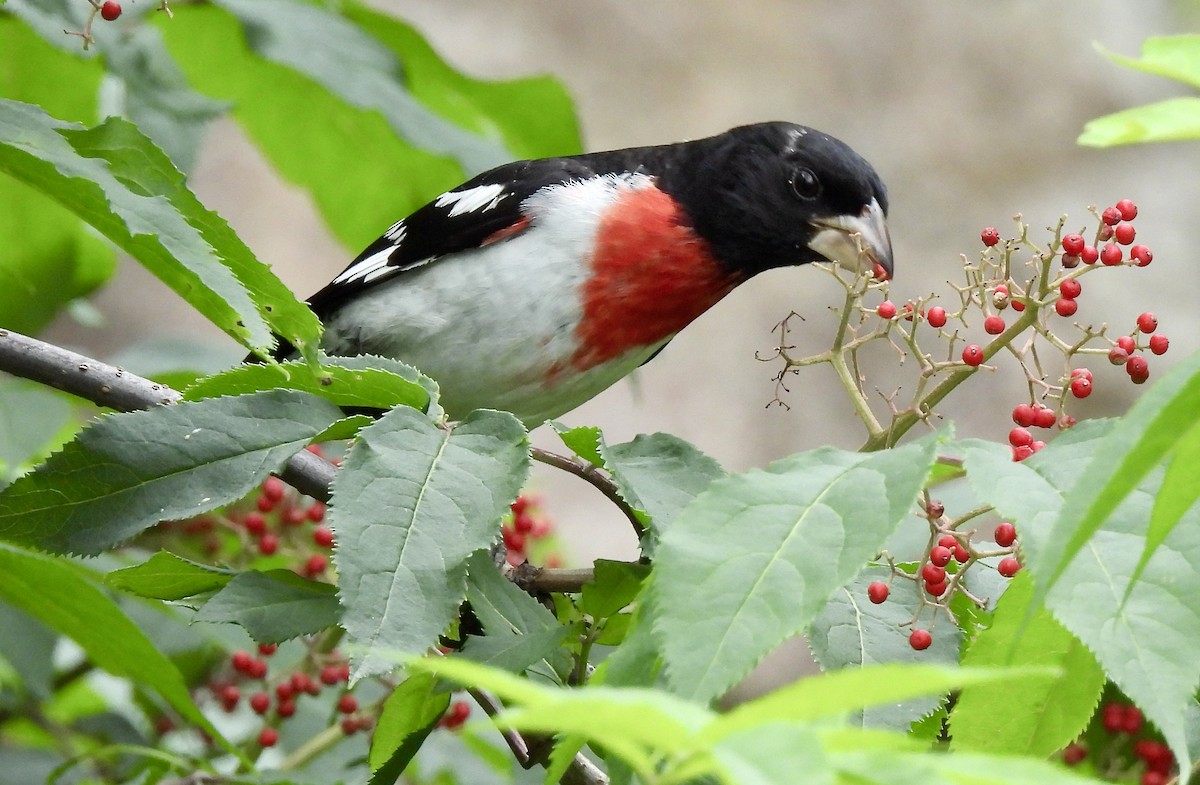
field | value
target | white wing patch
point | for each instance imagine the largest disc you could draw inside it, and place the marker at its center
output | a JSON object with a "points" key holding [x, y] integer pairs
{"points": [[396, 233], [371, 267], [480, 198]]}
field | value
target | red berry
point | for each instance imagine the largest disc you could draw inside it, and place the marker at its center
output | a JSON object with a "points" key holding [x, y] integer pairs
{"points": [[1127, 343], [1024, 415], [286, 708], [315, 512], [931, 573], [301, 682], [1074, 754], [993, 325], [284, 690], [940, 555], [519, 505], [323, 536], [524, 523], [294, 516], [1073, 244], [110, 10], [1154, 777], [257, 668], [1111, 216], [347, 704], [1070, 288], [936, 316], [316, 564], [330, 674], [1037, 445], [1022, 452], [886, 309], [1105, 234], [1081, 387], [920, 639], [877, 592], [1081, 372], [1017, 305], [1070, 261], [990, 236], [1043, 417], [1008, 567], [1117, 355], [267, 649], [240, 661], [1005, 534], [229, 695], [961, 554], [1159, 343], [1089, 254], [350, 725], [1127, 209], [1151, 751], [1131, 719], [1147, 322], [948, 541], [1113, 716], [1141, 254], [513, 539], [1124, 233], [1111, 255], [255, 523], [1020, 436], [268, 544], [972, 355], [937, 589], [260, 702], [273, 488], [268, 737], [1065, 306], [264, 504]]}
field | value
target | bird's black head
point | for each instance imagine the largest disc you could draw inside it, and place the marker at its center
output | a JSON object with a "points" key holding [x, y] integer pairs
{"points": [[779, 194]]}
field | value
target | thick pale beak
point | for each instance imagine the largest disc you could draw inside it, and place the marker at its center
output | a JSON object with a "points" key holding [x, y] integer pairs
{"points": [[840, 238]]}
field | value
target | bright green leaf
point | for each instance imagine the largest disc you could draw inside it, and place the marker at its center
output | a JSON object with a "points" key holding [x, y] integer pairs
{"points": [[413, 502], [274, 606], [1172, 120], [165, 576], [127, 472], [770, 754], [1053, 711], [583, 440], [56, 594], [1175, 57], [408, 716], [735, 574], [613, 587], [30, 417]]}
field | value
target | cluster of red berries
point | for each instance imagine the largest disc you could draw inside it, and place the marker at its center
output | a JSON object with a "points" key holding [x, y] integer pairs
{"points": [[932, 573], [1122, 721], [278, 699], [525, 526]]}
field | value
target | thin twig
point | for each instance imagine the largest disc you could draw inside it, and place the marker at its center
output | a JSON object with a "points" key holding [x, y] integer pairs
{"points": [[589, 473]]}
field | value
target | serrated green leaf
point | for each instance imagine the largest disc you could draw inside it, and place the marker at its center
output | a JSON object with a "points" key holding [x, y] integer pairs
{"points": [[1053, 711], [114, 178], [614, 586], [408, 716], [147, 87], [413, 502], [274, 606], [56, 594], [735, 574], [583, 440], [48, 257], [851, 631], [165, 576], [366, 382], [659, 474], [1175, 57], [1134, 629], [1172, 120], [127, 472], [515, 652]]}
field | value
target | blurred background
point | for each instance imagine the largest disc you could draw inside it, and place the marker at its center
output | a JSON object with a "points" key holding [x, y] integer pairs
{"points": [[968, 110]]}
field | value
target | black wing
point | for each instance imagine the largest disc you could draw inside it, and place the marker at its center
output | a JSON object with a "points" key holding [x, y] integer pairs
{"points": [[483, 209]]}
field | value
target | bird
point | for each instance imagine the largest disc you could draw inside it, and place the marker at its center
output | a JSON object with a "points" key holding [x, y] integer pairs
{"points": [[534, 286]]}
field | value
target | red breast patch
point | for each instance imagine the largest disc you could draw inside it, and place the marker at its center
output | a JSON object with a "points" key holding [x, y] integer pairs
{"points": [[651, 275]]}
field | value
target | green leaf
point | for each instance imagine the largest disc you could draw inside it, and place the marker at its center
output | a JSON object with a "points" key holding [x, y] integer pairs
{"points": [[613, 587], [274, 606], [1136, 630], [127, 472], [583, 440], [48, 256], [27, 645], [412, 503], [409, 714], [533, 116], [516, 652], [771, 754], [735, 573], [56, 594], [165, 576], [151, 91], [118, 181], [1172, 120], [1138, 443], [851, 631], [1175, 57], [660, 474], [30, 417], [1053, 711], [365, 382]]}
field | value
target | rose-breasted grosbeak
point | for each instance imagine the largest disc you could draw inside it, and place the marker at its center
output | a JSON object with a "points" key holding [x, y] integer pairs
{"points": [[536, 285]]}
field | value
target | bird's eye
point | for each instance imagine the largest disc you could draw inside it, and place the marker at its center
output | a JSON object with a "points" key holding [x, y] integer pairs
{"points": [[805, 184]]}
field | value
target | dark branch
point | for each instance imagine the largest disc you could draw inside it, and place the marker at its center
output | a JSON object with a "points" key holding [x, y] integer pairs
{"points": [[589, 473]]}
